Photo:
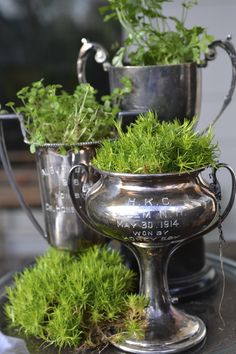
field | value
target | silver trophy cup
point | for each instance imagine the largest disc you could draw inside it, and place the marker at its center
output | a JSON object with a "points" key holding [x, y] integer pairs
{"points": [[155, 215], [173, 91], [63, 228]]}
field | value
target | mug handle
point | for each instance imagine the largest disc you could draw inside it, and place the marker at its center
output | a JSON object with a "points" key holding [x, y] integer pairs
{"points": [[101, 56], [211, 55], [9, 172]]}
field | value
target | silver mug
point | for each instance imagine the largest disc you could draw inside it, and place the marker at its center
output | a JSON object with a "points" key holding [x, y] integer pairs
{"points": [[155, 215], [63, 228]]}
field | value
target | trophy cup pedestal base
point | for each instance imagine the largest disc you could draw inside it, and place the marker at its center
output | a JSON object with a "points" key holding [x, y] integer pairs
{"points": [[190, 332]]}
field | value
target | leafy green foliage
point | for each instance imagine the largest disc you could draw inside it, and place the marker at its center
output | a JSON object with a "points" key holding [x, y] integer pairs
{"points": [[54, 116], [151, 146], [156, 38], [77, 301]]}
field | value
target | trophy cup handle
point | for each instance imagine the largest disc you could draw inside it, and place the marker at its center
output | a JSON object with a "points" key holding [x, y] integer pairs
{"points": [[101, 56], [217, 190], [230, 50], [84, 185], [9, 172]]}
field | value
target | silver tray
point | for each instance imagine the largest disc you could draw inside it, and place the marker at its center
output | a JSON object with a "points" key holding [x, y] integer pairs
{"points": [[220, 339]]}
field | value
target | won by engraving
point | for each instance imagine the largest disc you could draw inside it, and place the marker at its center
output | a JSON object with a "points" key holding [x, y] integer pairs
{"points": [[156, 220], [146, 238]]}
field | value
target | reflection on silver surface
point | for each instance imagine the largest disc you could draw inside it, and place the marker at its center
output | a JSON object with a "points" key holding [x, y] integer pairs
{"points": [[156, 209], [64, 229], [156, 215], [173, 91]]}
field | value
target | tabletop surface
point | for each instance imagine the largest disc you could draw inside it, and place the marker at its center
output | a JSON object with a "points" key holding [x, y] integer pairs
{"points": [[221, 334]]}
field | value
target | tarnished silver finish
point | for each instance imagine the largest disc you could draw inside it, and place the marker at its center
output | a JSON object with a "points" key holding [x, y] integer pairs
{"points": [[155, 214], [173, 91], [228, 47], [101, 56], [64, 229], [148, 209]]}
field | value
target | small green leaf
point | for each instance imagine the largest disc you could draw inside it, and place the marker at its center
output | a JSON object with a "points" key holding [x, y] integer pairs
{"points": [[118, 58], [32, 148], [10, 104]]}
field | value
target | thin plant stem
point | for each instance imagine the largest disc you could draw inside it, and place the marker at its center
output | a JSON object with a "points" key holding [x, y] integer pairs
{"points": [[223, 283]]}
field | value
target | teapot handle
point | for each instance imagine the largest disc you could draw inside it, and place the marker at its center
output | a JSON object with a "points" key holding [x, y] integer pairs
{"points": [[230, 50], [101, 56], [84, 185], [9, 172]]}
